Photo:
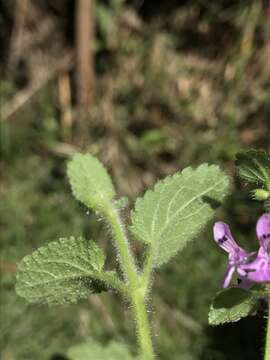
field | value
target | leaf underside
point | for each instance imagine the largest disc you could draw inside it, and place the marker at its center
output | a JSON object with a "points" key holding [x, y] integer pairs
{"points": [[177, 209], [61, 272], [253, 166], [231, 305], [90, 181]]}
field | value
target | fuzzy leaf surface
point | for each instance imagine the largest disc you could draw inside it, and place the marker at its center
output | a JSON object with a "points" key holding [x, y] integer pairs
{"points": [[254, 166], [90, 181], [231, 305], [92, 350], [62, 272], [177, 209]]}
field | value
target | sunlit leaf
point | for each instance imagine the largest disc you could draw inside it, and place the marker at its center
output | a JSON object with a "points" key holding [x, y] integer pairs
{"points": [[62, 272], [178, 208], [90, 182]]}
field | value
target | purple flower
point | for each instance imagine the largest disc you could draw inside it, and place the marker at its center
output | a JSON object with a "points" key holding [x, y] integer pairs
{"points": [[259, 269], [237, 256], [249, 270], [263, 232]]}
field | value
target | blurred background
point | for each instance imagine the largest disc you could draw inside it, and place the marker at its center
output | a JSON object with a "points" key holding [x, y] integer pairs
{"points": [[148, 86]]}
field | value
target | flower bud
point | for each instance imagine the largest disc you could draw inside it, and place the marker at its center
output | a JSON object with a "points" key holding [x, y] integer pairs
{"points": [[260, 194]]}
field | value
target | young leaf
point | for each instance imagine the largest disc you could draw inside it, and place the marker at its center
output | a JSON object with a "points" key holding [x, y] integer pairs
{"points": [[92, 350], [90, 182], [62, 272], [231, 305], [254, 166], [177, 209]]}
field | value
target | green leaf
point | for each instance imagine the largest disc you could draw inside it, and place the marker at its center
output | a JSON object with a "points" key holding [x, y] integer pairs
{"points": [[62, 272], [90, 182], [254, 166], [94, 351], [231, 305], [177, 209]]}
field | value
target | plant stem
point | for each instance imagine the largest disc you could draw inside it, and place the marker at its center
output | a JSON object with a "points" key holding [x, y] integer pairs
{"points": [[126, 259], [267, 343], [142, 324], [148, 270], [136, 290]]}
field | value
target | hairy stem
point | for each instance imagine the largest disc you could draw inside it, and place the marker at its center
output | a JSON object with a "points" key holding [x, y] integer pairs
{"points": [[148, 271], [142, 325], [126, 259], [267, 343], [136, 293]]}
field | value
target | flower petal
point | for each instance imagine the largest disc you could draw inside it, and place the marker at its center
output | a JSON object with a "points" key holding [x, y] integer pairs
{"points": [[228, 276], [224, 238], [259, 269], [263, 231]]}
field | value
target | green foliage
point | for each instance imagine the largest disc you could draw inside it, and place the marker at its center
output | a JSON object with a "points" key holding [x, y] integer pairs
{"points": [[260, 194], [67, 270], [90, 182], [231, 305], [254, 166], [178, 208], [94, 351], [182, 101], [61, 272]]}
